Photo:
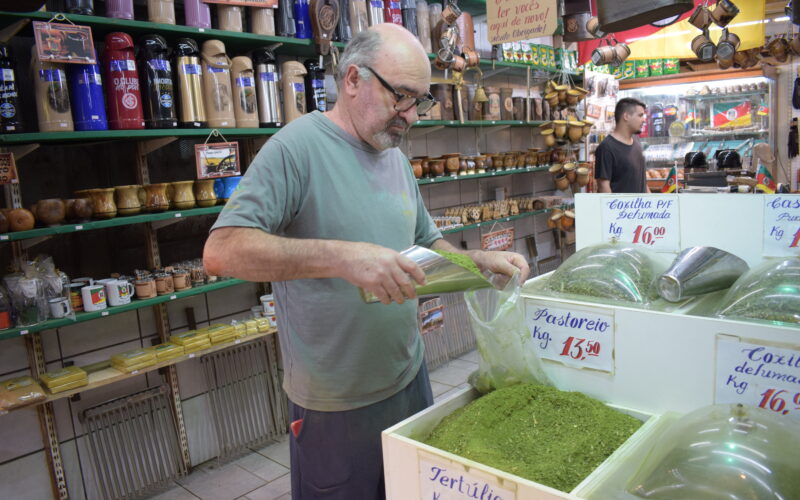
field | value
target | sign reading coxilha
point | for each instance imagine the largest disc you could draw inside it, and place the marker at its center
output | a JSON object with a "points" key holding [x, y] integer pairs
{"points": [[512, 20]]}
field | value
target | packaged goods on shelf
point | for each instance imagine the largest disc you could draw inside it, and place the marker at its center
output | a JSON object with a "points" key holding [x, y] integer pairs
{"points": [[18, 392], [220, 333], [263, 324], [134, 367], [166, 351], [67, 378], [189, 339], [240, 327], [198, 346], [252, 326], [134, 357]]}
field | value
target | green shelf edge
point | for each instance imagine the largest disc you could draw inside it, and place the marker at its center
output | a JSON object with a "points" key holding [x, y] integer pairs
{"points": [[475, 123], [449, 178], [488, 64], [106, 135], [101, 224], [494, 221], [110, 311]]}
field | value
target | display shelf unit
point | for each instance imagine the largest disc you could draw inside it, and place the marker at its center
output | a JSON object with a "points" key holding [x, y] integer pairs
{"points": [[722, 97], [111, 135], [476, 123], [492, 64], [523, 215], [111, 310], [449, 178], [102, 224], [103, 373]]}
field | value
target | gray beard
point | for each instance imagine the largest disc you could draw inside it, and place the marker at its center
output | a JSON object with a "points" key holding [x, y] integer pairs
{"points": [[387, 139]]}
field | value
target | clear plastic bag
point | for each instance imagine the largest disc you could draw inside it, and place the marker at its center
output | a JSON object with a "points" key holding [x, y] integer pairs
{"points": [[498, 320], [727, 452], [609, 272], [769, 291]]}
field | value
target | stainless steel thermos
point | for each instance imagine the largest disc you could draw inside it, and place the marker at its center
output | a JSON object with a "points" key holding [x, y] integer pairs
{"points": [[158, 88], [269, 101]]}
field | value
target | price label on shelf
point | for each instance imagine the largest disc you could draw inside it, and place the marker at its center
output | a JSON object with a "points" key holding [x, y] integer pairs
{"points": [[648, 220], [577, 336], [781, 225], [762, 375], [8, 169]]}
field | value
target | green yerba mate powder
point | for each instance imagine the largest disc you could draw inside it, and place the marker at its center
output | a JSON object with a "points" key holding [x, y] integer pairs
{"points": [[462, 260], [536, 432]]}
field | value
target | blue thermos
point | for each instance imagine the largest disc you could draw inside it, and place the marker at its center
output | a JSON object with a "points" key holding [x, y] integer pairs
{"points": [[88, 100], [302, 19]]}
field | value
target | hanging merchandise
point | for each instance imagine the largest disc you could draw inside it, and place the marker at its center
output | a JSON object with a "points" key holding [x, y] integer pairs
{"points": [[302, 19], [286, 18], [88, 101], [158, 91], [359, 17], [315, 85], [466, 30], [294, 92], [230, 17], [424, 26], [269, 104], [191, 111], [161, 11], [122, 83], [244, 92], [262, 21], [375, 10], [9, 93], [324, 15], [52, 96], [344, 32], [392, 12], [217, 85], [409, 12], [120, 9], [85, 7], [198, 14], [621, 15]]}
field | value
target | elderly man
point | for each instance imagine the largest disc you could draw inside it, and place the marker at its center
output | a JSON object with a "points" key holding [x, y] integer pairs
{"points": [[324, 209]]}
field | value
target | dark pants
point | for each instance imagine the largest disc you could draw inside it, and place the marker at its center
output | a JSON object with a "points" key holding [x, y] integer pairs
{"points": [[338, 456]]}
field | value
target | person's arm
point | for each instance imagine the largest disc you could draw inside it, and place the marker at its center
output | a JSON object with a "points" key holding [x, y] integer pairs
{"points": [[603, 186], [255, 255], [497, 262]]}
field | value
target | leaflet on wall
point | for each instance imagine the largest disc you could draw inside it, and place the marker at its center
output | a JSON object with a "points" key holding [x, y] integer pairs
{"points": [[64, 43]]}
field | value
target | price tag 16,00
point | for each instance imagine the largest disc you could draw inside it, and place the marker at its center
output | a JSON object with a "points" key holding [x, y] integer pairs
{"points": [[758, 375], [648, 220], [781, 225], [579, 336], [8, 169]]}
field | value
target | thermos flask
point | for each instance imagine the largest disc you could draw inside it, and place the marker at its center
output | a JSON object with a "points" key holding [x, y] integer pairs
{"points": [[52, 96], [230, 17], [285, 18], [122, 83], [121, 9], [85, 7], [294, 91], [343, 30], [158, 90], [359, 18], [244, 92], [197, 13], [189, 80], [88, 101], [391, 12], [161, 11], [10, 120], [269, 101], [302, 19], [315, 86], [375, 9], [409, 14], [262, 21], [424, 25], [217, 93]]}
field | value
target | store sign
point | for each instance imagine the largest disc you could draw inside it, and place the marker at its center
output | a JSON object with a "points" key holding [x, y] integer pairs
{"points": [[513, 20], [442, 479], [64, 43], [247, 3], [781, 225], [651, 221], [498, 240], [577, 336], [8, 169], [760, 375], [219, 159]]}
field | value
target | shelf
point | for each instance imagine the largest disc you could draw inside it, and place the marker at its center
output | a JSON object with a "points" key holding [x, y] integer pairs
{"points": [[694, 137], [504, 219], [233, 41], [476, 123], [116, 221], [110, 135], [490, 64], [448, 178], [109, 311], [722, 97], [103, 373]]}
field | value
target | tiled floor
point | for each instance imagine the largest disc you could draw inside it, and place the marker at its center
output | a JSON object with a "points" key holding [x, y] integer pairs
{"points": [[264, 473]]}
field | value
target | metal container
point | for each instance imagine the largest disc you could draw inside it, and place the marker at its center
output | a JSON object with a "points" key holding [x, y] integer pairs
{"points": [[269, 103], [441, 275], [189, 82], [409, 13], [343, 30], [88, 101], [158, 90], [10, 120], [699, 270], [375, 11], [359, 18]]}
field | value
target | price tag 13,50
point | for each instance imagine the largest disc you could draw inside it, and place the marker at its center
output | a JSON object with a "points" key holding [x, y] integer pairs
{"points": [[781, 225], [651, 221], [577, 336]]}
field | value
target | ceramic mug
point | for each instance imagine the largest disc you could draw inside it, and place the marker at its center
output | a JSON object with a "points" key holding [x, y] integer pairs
{"points": [[59, 307], [603, 55], [164, 284], [703, 47], [181, 280], [145, 288], [268, 303], [779, 49], [701, 17], [119, 292], [75, 299], [724, 12], [94, 297]]}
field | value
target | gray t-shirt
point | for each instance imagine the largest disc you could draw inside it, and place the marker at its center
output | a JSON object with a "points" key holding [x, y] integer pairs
{"points": [[314, 180]]}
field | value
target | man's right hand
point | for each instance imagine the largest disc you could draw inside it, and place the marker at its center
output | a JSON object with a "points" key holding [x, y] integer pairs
{"points": [[384, 272]]}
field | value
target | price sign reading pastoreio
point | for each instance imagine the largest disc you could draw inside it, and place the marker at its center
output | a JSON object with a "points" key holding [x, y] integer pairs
{"points": [[648, 220], [8, 169], [578, 336], [760, 375], [781, 225], [442, 479], [512, 20]]}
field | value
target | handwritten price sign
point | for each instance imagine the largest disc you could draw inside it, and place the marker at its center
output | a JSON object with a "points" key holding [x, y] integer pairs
{"points": [[498, 240], [579, 336], [781, 225], [8, 169], [758, 375], [441, 479], [648, 220]]}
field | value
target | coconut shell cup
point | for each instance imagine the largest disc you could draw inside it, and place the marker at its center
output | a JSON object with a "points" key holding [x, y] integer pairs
{"points": [[50, 212], [20, 219]]}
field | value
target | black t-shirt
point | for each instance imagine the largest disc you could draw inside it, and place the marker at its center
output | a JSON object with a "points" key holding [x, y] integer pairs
{"points": [[621, 164]]}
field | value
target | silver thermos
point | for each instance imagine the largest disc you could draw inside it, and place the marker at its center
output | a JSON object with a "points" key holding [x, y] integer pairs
{"points": [[375, 11], [269, 101]]}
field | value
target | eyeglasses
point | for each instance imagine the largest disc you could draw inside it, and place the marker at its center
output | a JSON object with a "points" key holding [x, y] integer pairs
{"points": [[405, 101]]}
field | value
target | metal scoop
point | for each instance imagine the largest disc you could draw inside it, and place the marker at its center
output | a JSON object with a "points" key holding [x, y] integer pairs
{"points": [[699, 270]]}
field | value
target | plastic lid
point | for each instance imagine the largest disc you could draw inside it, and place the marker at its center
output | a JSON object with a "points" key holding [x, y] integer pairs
{"points": [[213, 48], [241, 63], [5, 51], [118, 41], [293, 68], [186, 47], [264, 56], [153, 44]]}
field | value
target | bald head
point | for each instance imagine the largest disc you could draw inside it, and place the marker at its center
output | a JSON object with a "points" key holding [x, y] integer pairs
{"points": [[385, 42]]}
